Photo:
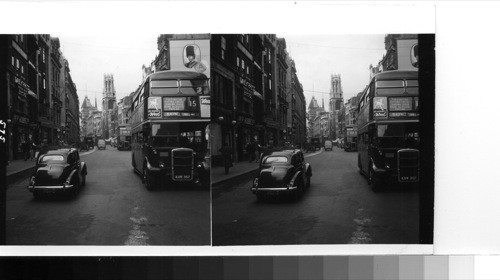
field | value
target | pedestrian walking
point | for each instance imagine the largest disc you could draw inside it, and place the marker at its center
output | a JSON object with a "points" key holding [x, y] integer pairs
{"points": [[226, 155], [33, 148]]}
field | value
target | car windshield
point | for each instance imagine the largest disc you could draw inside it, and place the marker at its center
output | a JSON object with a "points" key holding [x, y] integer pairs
{"points": [[51, 158], [276, 159]]}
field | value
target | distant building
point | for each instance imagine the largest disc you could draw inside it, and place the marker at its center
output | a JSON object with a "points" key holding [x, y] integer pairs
{"points": [[109, 108], [336, 104], [124, 109]]}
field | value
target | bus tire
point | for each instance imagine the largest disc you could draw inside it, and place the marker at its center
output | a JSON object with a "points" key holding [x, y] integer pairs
{"points": [[373, 180], [147, 179]]}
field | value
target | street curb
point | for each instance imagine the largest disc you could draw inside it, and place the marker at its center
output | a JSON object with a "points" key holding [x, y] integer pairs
{"points": [[221, 183], [14, 177]]}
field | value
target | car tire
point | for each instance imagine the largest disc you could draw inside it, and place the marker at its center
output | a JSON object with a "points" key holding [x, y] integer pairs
{"points": [[308, 182], [147, 179], [84, 179]]}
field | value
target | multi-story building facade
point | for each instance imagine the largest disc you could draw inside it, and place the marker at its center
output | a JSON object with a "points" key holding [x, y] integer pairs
{"points": [[124, 109], [56, 86], [71, 111], [296, 117], [282, 89], [33, 67], [252, 93]]}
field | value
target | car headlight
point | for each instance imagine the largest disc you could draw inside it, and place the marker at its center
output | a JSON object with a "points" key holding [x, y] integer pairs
{"points": [[155, 151], [162, 163], [32, 180], [256, 182]]}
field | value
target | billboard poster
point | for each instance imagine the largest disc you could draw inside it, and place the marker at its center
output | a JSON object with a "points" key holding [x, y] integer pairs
{"points": [[407, 54], [190, 55]]}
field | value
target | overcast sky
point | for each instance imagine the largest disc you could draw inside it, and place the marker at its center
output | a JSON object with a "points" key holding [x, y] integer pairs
{"points": [[318, 56], [90, 57]]}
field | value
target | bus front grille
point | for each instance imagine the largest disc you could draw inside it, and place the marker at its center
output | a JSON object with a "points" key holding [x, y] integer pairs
{"points": [[408, 165], [182, 164]]}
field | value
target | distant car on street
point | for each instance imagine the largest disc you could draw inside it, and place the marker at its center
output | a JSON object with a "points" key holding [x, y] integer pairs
{"points": [[328, 145], [282, 172], [101, 144], [58, 171]]}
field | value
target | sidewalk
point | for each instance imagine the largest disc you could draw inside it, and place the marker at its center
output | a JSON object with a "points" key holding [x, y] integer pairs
{"points": [[239, 169]]}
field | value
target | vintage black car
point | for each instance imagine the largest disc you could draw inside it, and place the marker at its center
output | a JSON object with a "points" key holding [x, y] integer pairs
{"points": [[58, 171], [282, 172]]}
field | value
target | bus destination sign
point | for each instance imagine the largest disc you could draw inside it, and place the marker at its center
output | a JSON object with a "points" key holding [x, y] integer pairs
{"points": [[180, 104], [400, 104]]}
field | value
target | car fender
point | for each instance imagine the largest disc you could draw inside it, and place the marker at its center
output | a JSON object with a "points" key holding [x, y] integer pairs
{"points": [[297, 174], [308, 169], [70, 176], [83, 167]]}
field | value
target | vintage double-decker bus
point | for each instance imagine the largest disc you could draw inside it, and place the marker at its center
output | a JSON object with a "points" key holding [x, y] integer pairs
{"points": [[169, 120], [124, 138], [388, 129], [350, 139]]}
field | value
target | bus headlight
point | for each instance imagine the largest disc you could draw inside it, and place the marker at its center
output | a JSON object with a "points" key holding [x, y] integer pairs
{"points": [[155, 151]]}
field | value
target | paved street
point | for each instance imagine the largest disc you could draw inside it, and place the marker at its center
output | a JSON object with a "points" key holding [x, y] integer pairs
{"points": [[339, 208], [113, 208]]}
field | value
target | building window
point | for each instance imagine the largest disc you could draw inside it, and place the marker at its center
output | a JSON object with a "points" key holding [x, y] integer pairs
{"points": [[238, 62], [13, 62], [248, 70], [243, 64], [270, 82], [43, 55], [17, 63]]}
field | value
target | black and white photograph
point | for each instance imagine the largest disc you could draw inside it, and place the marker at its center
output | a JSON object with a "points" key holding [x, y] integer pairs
{"points": [[107, 139], [317, 139]]}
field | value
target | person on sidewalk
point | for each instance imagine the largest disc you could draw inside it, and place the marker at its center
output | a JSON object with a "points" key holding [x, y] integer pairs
{"points": [[226, 155], [33, 149]]}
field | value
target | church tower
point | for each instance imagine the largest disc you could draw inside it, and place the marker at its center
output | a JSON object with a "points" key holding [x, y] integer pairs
{"points": [[108, 107], [336, 105]]}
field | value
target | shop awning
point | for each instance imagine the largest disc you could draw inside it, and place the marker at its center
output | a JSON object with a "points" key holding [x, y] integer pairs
{"points": [[255, 93]]}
